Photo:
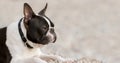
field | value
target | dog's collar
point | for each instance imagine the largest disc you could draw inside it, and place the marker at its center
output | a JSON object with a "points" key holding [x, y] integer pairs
{"points": [[22, 35]]}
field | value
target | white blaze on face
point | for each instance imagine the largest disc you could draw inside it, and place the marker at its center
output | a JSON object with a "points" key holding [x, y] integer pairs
{"points": [[48, 21], [49, 34]]}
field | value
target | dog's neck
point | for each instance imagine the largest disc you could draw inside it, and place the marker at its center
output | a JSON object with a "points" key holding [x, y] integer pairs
{"points": [[24, 39], [15, 43]]}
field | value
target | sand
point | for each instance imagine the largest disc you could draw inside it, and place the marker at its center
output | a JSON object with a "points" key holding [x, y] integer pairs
{"points": [[85, 28]]}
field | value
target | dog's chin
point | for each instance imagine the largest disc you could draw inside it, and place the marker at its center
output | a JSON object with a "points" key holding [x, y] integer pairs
{"points": [[44, 42]]}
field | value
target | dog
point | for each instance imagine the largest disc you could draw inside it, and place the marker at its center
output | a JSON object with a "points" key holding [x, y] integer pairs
{"points": [[20, 42]]}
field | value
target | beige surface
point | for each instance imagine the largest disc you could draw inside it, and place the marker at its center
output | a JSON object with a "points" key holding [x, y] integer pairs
{"points": [[85, 28]]}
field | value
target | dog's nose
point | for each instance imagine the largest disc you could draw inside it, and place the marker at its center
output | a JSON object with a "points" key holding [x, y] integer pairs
{"points": [[55, 38]]}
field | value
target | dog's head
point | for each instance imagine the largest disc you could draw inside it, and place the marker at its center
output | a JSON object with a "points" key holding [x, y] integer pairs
{"points": [[39, 28]]}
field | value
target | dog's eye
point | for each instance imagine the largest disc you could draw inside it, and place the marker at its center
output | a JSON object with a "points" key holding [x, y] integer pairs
{"points": [[44, 28]]}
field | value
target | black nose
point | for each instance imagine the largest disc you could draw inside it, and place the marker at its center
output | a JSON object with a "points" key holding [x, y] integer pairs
{"points": [[55, 38]]}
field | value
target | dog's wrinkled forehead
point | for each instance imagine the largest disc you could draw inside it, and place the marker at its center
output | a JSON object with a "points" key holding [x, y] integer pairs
{"points": [[42, 20], [38, 21], [47, 20]]}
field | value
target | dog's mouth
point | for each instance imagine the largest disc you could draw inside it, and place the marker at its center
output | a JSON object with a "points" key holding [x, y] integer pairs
{"points": [[46, 40]]}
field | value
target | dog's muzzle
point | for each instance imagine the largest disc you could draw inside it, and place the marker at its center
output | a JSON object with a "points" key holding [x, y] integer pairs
{"points": [[51, 35]]}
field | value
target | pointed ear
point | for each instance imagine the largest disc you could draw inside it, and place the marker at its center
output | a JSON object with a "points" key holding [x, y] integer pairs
{"points": [[28, 12], [42, 12]]}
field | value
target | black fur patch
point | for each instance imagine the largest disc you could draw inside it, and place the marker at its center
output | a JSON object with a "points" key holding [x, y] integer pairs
{"points": [[37, 29], [5, 56]]}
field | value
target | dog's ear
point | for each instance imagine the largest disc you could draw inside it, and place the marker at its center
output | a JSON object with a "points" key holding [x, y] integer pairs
{"points": [[28, 12], [42, 12]]}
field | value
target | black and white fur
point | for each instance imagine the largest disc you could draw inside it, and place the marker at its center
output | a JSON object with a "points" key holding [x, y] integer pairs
{"points": [[38, 31]]}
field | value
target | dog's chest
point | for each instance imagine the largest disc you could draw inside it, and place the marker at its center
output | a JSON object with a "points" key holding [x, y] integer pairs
{"points": [[17, 48]]}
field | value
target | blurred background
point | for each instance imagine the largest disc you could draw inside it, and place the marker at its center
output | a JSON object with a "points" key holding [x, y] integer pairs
{"points": [[85, 28]]}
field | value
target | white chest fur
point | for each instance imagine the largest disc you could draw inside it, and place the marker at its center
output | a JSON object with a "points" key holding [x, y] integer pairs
{"points": [[15, 45]]}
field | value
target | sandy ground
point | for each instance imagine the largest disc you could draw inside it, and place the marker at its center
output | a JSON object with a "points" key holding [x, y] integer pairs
{"points": [[85, 28]]}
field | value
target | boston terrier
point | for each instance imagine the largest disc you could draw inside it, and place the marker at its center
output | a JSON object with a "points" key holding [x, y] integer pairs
{"points": [[20, 42]]}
